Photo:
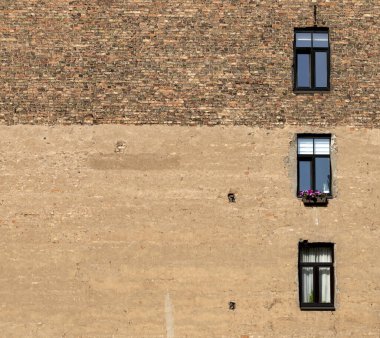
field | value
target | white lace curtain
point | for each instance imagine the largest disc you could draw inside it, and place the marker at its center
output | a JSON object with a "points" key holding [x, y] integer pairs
{"points": [[316, 255]]}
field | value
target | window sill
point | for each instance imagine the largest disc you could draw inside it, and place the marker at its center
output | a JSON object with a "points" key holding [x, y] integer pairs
{"points": [[310, 91], [329, 197], [317, 308]]}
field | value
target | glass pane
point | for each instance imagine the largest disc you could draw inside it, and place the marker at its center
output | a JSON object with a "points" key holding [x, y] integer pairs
{"points": [[321, 69], [322, 146], [305, 146], [303, 70], [320, 39], [324, 285], [303, 39], [322, 174], [304, 175], [316, 255], [307, 285]]}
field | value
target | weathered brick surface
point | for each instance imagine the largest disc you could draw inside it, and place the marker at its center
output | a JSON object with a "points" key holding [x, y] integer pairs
{"points": [[100, 224], [182, 62]]}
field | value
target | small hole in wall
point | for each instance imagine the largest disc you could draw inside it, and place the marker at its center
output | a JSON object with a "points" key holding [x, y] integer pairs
{"points": [[232, 305], [231, 197], [89, 119], [120, 146]]}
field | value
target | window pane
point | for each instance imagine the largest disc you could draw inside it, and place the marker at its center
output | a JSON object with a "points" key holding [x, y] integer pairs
{"points": [[320, 39], [322, 174], [303, 70], [307, 285], [322, 146], [303, 39], [324, 285], [316, 255], [304, 174], [321, 69], [305, 146]]}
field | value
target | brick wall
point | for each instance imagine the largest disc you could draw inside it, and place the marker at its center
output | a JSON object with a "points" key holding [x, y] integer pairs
{"points": [[182, 62]]}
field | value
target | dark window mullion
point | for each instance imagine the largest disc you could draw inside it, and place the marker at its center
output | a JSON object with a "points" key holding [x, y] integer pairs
{"points": [[332, 285], [316, 284], [311, 66], [322, 156], [301, 286], [313, 173], [312, 69], [319, 49], [303, 49], [328, 66], [313, 167], [321, 264], [296, 69]]}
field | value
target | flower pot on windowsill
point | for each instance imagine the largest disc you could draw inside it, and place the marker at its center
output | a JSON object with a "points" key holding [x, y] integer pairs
{"points": [[315, 200], [313, 197]]}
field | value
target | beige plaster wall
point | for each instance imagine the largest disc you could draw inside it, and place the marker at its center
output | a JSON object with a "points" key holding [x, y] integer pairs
{"points": [[142, 242]]}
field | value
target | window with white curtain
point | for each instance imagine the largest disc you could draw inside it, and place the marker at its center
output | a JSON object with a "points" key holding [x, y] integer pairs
{"points": [[316, 275], [314, 165]]}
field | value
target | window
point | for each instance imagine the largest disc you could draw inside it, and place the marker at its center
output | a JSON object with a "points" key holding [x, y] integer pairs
{"points": [[314, 168], [316, 276], [311, 59]]}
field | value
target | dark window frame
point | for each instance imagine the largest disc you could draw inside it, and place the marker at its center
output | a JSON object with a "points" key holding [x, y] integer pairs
{"points": [[310, 51], [311, 158], [316, 305]]}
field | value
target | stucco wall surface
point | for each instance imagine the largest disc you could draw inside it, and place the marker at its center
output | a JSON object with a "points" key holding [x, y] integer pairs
{"points": [[112, 231]]}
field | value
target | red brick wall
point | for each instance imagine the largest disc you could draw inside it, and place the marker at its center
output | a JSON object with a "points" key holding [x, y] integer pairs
{"points": [[182, 62]]}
